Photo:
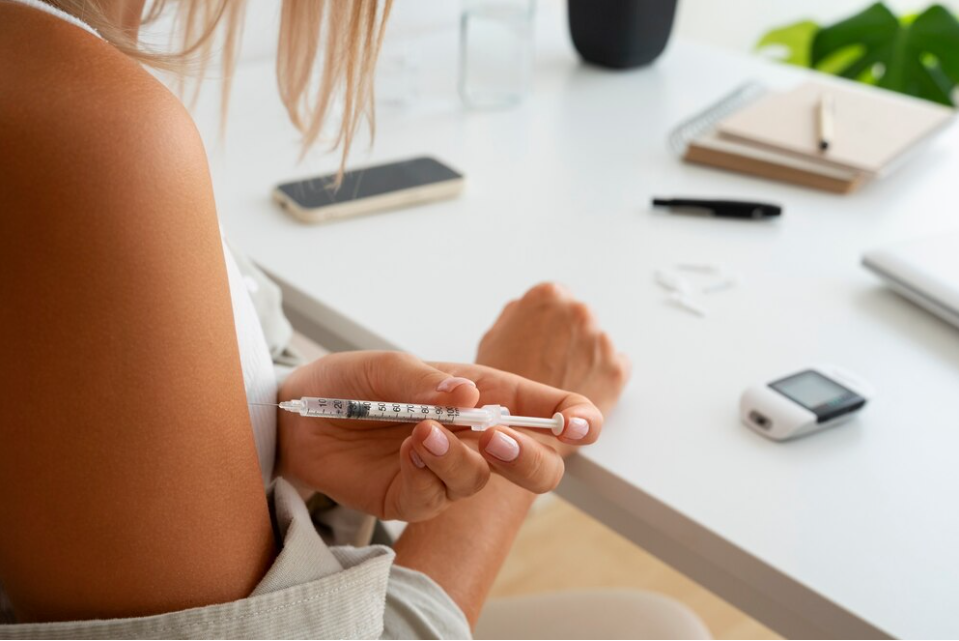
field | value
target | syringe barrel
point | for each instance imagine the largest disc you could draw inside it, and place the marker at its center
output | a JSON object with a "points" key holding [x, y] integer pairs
{"points": [[476, 418], [341, 408]]}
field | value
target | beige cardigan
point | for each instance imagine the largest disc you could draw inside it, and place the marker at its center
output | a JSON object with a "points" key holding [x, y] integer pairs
{"points": [[311, 591]]}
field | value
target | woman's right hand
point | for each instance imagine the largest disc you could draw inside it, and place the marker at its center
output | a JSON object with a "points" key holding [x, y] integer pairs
{"points": [[398, 471]]}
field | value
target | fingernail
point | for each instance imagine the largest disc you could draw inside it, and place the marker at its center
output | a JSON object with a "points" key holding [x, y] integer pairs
{"points": [[436, 442], [503, 447], [577, 429], [417, 461], [451, 383]]}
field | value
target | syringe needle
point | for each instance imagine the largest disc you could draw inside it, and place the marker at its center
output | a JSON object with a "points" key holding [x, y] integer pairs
{"points": [[265, 404]]}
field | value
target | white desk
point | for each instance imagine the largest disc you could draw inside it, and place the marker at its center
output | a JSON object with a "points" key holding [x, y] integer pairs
{"points": [[852, 532]]}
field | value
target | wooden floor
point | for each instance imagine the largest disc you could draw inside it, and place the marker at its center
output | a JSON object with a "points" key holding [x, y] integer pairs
{"points": [[560, 548]]}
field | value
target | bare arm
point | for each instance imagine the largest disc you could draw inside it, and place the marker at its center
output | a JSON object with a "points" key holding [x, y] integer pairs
{"points": [[120, 495], [463, 548], [550, 337]]}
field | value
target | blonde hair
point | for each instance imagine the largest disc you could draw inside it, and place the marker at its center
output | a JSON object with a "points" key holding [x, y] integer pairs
{"points": [[352, 30]]}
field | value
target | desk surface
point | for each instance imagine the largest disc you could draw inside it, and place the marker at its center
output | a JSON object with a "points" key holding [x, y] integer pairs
{"points": [[851, 532]]}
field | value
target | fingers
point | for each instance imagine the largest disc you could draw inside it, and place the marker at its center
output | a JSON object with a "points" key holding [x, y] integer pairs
{"points": [[582, 318], [607, 346], [522, 459], [396, 376], [421, 494], [462, 470], [528, 398], [584, 422], [545, 292], [384, 376], [436, 469]]}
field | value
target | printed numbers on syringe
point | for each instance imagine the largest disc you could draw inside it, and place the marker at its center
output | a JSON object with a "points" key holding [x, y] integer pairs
{"points": [[477, 418], [392, 412]]}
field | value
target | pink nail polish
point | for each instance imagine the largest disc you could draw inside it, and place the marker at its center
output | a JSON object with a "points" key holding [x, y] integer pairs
{"points": [[577, 429], [503, 447], [417, 461], [451, 383], [436, 442]]}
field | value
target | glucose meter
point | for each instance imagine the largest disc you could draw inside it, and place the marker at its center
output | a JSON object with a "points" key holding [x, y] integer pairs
{"points": [[803, 402]]}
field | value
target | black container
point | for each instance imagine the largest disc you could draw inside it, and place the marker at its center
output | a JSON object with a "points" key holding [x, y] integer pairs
{"points": [[620, 33]]}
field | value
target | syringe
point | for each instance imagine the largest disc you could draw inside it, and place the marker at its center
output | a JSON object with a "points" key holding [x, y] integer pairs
{"points": [[476, 418]]}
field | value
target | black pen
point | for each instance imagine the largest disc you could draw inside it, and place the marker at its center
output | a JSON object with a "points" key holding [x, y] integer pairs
{"points": [[723, 208]]}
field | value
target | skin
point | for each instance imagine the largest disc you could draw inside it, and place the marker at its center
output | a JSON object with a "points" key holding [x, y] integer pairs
{"points": [[370, 466], [122, 496], [551, 337], [580, 357], [108, 342]]}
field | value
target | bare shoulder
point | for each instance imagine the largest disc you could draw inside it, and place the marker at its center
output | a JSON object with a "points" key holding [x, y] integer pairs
{"points": [[97, 148], [84, 109], [116, 310]]}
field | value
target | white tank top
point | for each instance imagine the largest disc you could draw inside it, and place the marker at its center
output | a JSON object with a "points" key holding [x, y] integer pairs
{"points": [[259, 377]]}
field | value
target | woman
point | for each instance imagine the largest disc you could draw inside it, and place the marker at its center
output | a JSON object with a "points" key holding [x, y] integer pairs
{"points": [[131, 486]]}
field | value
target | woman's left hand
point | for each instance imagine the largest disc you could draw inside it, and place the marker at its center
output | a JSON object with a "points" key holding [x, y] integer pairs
{"points": [[407, 472]]}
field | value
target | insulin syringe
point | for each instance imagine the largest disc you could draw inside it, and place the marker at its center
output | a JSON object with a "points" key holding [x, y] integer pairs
{"points": [[476, 418]]}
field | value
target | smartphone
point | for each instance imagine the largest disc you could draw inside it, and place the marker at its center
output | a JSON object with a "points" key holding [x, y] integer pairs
{"points": [[368, 190]]}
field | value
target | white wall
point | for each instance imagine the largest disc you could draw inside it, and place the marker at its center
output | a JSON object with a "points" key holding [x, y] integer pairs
{"points": [[734, 24], [738, 24], [407, 19]]}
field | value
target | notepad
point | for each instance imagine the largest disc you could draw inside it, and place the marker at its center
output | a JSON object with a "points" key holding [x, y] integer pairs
{"points": [[872, 126], [713, 149], [775, 135]]}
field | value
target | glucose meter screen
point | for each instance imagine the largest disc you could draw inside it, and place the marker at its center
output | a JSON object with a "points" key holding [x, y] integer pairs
{"points": [[810, 389]]}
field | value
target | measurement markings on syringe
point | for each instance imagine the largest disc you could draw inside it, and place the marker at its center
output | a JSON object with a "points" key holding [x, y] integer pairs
{"points": [[396, 412], [476, 418]]}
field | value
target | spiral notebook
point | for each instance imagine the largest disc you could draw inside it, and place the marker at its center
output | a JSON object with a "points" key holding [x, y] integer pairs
{"points": [[773, 134]]}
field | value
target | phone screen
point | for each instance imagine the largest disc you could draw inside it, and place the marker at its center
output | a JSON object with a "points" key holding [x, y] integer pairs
{"points": [[319, 192]]}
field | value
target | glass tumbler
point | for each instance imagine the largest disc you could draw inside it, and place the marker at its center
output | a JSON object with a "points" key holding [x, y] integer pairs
{"points": [[496, 52]]}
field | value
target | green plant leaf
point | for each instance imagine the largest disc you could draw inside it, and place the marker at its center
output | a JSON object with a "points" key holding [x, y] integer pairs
{"points": [[918, 56], [789, 44]]}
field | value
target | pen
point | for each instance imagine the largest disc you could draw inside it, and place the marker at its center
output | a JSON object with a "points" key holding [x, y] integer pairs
{"points": [[825, 121], [723, 208]]}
